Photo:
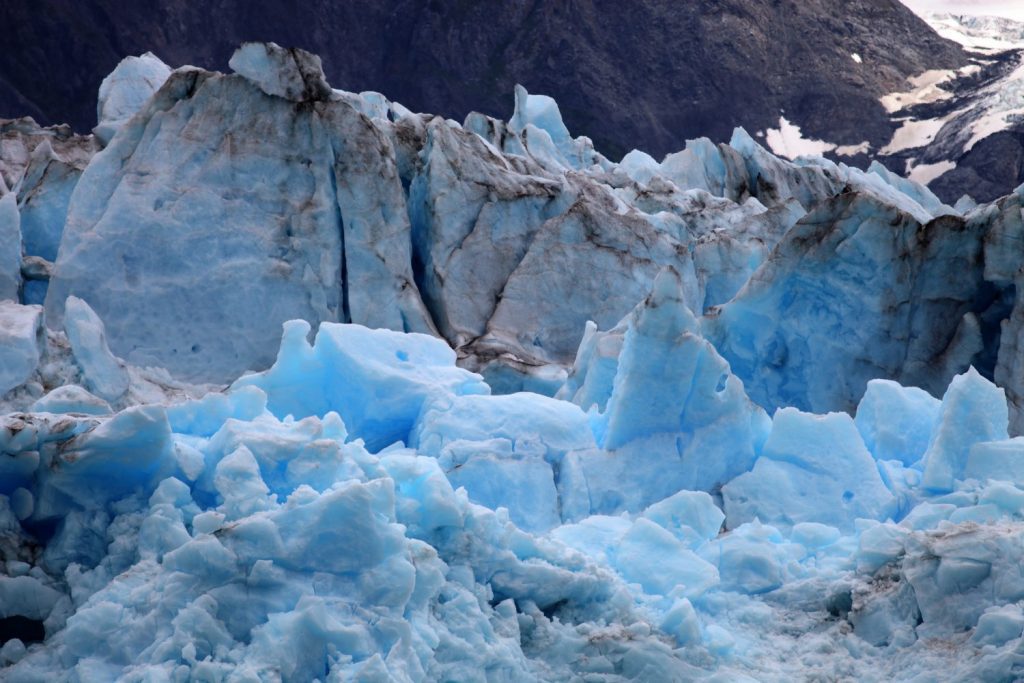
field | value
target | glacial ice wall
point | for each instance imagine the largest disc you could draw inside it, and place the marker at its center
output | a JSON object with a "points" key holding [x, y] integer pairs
{"points": [[534, 415]]}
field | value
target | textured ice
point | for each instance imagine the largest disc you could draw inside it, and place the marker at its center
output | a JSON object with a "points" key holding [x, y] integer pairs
{"points": [[124, 92], [21, 339], [391, 500], [10, 247], [103, 373]]}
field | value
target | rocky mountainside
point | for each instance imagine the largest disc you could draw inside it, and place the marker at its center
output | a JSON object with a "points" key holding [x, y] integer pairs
{"points": [[645, 75]]}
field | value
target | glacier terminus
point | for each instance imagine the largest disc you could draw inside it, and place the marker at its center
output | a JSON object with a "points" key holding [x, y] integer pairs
{"points": [[299, 384]]}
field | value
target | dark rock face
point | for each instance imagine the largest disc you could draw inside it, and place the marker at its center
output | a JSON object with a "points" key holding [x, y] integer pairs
{"points": [[641, 74]]}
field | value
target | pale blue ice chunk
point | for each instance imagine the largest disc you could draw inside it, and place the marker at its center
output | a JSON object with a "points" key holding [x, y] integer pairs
{"points": [[503, 449], [125, 90], [104, 373], [651, 556], [71, 398], [237, 480], [203, 417], [10, 247], [879, 545], [289, 73], [682, 622], [596, 536], [1000, 460], [348, 363], [927, 515], [687, 514], [813, 535], [1005, 496], [979, 514], [26, 596], [999, 625], [309, 452], [673, 400], [532, 423], [718, 640], [123, 453], [750, 560], [44, 196], [813, 468], [525, 487], [917, 192], [22, 341], [973, 411], [897, 422], [425, 499]]}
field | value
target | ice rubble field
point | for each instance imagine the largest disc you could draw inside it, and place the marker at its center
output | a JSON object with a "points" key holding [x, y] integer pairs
{"points": [[366, 509]]}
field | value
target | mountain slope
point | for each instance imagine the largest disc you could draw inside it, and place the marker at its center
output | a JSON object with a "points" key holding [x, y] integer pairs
{"points": [[647, 75]]}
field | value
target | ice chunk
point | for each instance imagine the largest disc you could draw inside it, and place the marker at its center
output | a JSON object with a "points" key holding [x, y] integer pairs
{"points": [[999, 625], [104, 464], [22, 341], [10, 247], [125, 90], [973, 411], [1001, 460], [347, 364], [104, 374], [238, 481], [71, 398], [814, 468], [205, 416], [293, 74], [651, 556], [813, 535], [897, 422], [751, 559], [43, 199], [504, 451], [687, 514], [677, 419]]}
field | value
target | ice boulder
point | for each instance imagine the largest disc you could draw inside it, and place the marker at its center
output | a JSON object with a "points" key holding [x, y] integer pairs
{"points": [[125, 90], [676, 418], [22, 341], [691, 516], [10, 247], [506, 451], [751, 559], [105, 374], [377, 380], [293, 74], [813, 468], [973, 411], [897, 422], [649, 555], [121, 455], [44, 196], [999, 625], [71, 398], [999, 460]]}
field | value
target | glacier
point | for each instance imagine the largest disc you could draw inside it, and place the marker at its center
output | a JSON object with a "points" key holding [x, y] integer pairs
{"points": [[301, 385]]}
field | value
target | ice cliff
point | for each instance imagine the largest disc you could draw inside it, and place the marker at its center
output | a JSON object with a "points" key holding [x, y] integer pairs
{"points": [[534, 415]]}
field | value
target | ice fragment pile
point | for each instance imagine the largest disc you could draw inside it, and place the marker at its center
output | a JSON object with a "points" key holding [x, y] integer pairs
{"points": [[534, 415]]}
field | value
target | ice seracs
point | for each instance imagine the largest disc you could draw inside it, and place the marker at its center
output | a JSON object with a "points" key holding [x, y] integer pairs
{"points": [[385, 501]]}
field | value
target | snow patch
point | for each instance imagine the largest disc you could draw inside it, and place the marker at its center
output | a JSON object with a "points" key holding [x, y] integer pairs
{"points": [[787, 141], [926, 173]]}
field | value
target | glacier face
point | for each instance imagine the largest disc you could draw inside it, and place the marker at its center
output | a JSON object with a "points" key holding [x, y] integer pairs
{"points": [[392, 499]]}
